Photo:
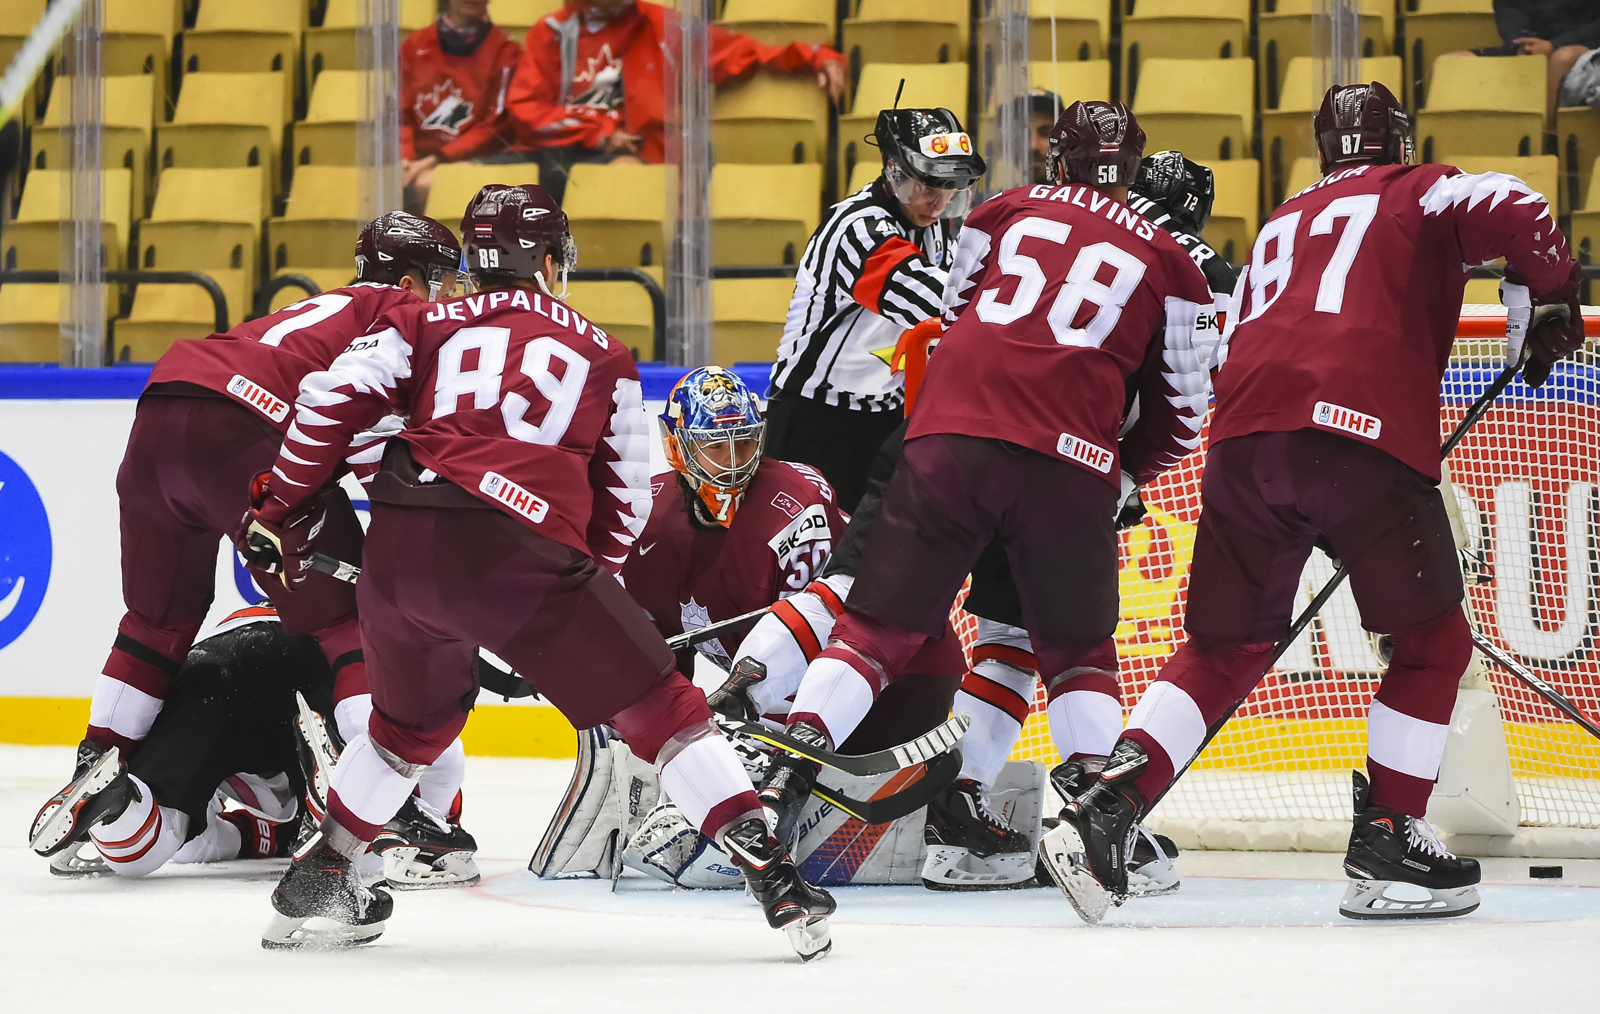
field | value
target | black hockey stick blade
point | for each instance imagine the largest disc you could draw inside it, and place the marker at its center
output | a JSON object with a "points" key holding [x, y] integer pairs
{"points": [[689, 638], [940, 772], [941, 739], [1535, 683]]}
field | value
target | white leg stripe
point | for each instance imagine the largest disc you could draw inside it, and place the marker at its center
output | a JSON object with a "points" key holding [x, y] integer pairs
{"points": [[835, 692], [351, 715], [1021, 681], [773, 645], [440, 783], [1172, 718], [1085, 721], [988, 742], [125, 710], [702, 775], [1404, 744], [367, 785], [995, 632]]}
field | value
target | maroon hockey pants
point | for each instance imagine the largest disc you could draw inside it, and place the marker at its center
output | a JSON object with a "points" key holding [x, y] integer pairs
{"points": [[1266, 496], [439, 582], [182, 486]]}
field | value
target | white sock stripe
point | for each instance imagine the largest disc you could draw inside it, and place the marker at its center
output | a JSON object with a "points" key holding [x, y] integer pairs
{"points": [[995, 632], [1085, 721], [1171, 717], [834, 691], [351, 715], [124, 709], [988, 742], [703, 775], [440, 783], [1022, 681], [367, 785], [1405, 744]]}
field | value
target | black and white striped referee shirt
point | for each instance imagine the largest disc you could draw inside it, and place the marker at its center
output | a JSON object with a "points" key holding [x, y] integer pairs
{"points": [[867, 275]]}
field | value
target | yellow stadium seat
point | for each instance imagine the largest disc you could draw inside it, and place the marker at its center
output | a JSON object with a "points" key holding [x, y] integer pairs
{"points": [[1081, 29], [927, 85], [619, 214], [1586, 222], [205, 220], [163, 314], [515, 17], [1537, 171], [30, 323], [1203, 108], [1288, 31], [455, 183], [333, 45], [1481, 290], [1302, 173], [747, 318], [136, 38], [1577, 145], [1286, 132], [770, 119], [327, 136], [1073, 81], [32, 241], [325, 279], [1235, 212], [1436, 27], [623, 309], [261, 36], [906, 31], [226, 121], [863, 174], [763, 214], [320, 221], [1484, 107], [1182, 29], [780, 22], [125, 130]]}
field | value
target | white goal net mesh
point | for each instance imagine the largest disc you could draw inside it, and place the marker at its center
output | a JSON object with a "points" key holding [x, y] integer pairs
{"points": [[1526, 478]]}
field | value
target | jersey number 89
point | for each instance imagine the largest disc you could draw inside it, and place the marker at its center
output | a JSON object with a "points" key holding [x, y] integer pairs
{"points": [[482, 383]]}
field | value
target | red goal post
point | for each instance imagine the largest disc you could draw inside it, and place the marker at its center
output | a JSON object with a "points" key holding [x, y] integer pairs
{"points": [[1526, 479]]}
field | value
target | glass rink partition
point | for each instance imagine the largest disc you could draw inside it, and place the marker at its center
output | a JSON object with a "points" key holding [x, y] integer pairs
{"points": [[183, 165]]}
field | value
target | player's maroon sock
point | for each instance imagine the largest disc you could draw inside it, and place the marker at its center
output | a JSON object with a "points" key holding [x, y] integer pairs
{"points": [[1197, 686], [133, 685], [1410, 716]]}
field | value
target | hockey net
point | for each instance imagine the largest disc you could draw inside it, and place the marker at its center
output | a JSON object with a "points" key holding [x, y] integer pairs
{"points": [[1526, 478]]}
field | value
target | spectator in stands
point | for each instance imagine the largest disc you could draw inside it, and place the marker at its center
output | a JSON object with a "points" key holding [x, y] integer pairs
{"points": [[1043, 109], [1563, 31], [589, 87], [454, 75]]}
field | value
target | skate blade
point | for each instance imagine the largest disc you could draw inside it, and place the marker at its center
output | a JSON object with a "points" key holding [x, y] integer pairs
{"points": [[53, 827], [1062, 852], [953, 868], [292, 933], [811, 938], [1153, 879], [403, 871], [74, 863], [1370, 899]]}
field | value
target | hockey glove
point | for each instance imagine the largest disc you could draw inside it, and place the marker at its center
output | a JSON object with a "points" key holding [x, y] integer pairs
{"points": [[1130, 505], [732, 699], [1555, 326], [276, 538]]}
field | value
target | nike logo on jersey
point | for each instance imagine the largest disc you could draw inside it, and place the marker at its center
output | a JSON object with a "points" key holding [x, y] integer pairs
{"points": [[645, 549]]}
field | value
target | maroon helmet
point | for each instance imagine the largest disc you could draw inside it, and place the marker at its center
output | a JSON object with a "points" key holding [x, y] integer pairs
{"points": [[507, 231], [1099, 142], [1362, 123], [398, 242]]}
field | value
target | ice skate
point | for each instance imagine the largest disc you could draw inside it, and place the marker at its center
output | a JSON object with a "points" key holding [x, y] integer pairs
{"points": [[99, 790], [422, 850], [1152, 867], [1087, 853], [82, 860], [789, 781], [319, 903], [318, 752], [790, 903], [971, 849], [1399, 868]]}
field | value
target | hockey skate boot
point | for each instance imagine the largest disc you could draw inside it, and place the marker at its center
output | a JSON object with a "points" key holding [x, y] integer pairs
{"points": [[1087, 853], [100, 790], [321, 885], [969, 847], [1389, 849], [1152, 869], [790, 903], [789, 781], [422, 850]]}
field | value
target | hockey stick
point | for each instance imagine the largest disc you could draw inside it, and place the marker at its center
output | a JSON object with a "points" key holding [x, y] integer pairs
{"points": [[941, 771], [1477, 411], [335, 567], [1534, 682], [689, 638], [926, 747]]}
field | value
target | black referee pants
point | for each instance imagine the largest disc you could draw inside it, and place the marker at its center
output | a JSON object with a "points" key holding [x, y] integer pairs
{"points": [[838, 442]]}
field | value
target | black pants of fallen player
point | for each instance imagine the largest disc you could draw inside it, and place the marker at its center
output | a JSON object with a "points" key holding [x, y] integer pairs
{"points": [[838, 442]]}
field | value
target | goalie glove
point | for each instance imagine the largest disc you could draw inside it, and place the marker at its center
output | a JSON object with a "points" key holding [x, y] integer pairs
{"points": [[1548, 324], [277, 538]]}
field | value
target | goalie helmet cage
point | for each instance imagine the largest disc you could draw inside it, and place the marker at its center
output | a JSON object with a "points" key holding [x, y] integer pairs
{"points": [[1277, 776]]}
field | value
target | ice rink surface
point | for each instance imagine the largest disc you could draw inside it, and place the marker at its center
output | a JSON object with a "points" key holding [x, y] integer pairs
{"points": [[1247, 932]]}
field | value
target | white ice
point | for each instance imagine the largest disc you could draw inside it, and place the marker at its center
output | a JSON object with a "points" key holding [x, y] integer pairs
{"points": [[1247, 931]]}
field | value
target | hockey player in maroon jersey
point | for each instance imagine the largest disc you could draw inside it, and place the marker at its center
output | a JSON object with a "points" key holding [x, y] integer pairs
{"points": [[213, 414], [1062, 302], [1327, 424], [501, 514]]}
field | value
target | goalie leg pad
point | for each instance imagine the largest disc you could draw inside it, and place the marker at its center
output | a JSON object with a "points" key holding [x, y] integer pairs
{"points": [[669, 848], [611, 793]]}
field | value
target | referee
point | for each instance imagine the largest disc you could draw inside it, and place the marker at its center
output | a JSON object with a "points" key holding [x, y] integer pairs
{"points": [[876, 267]]}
